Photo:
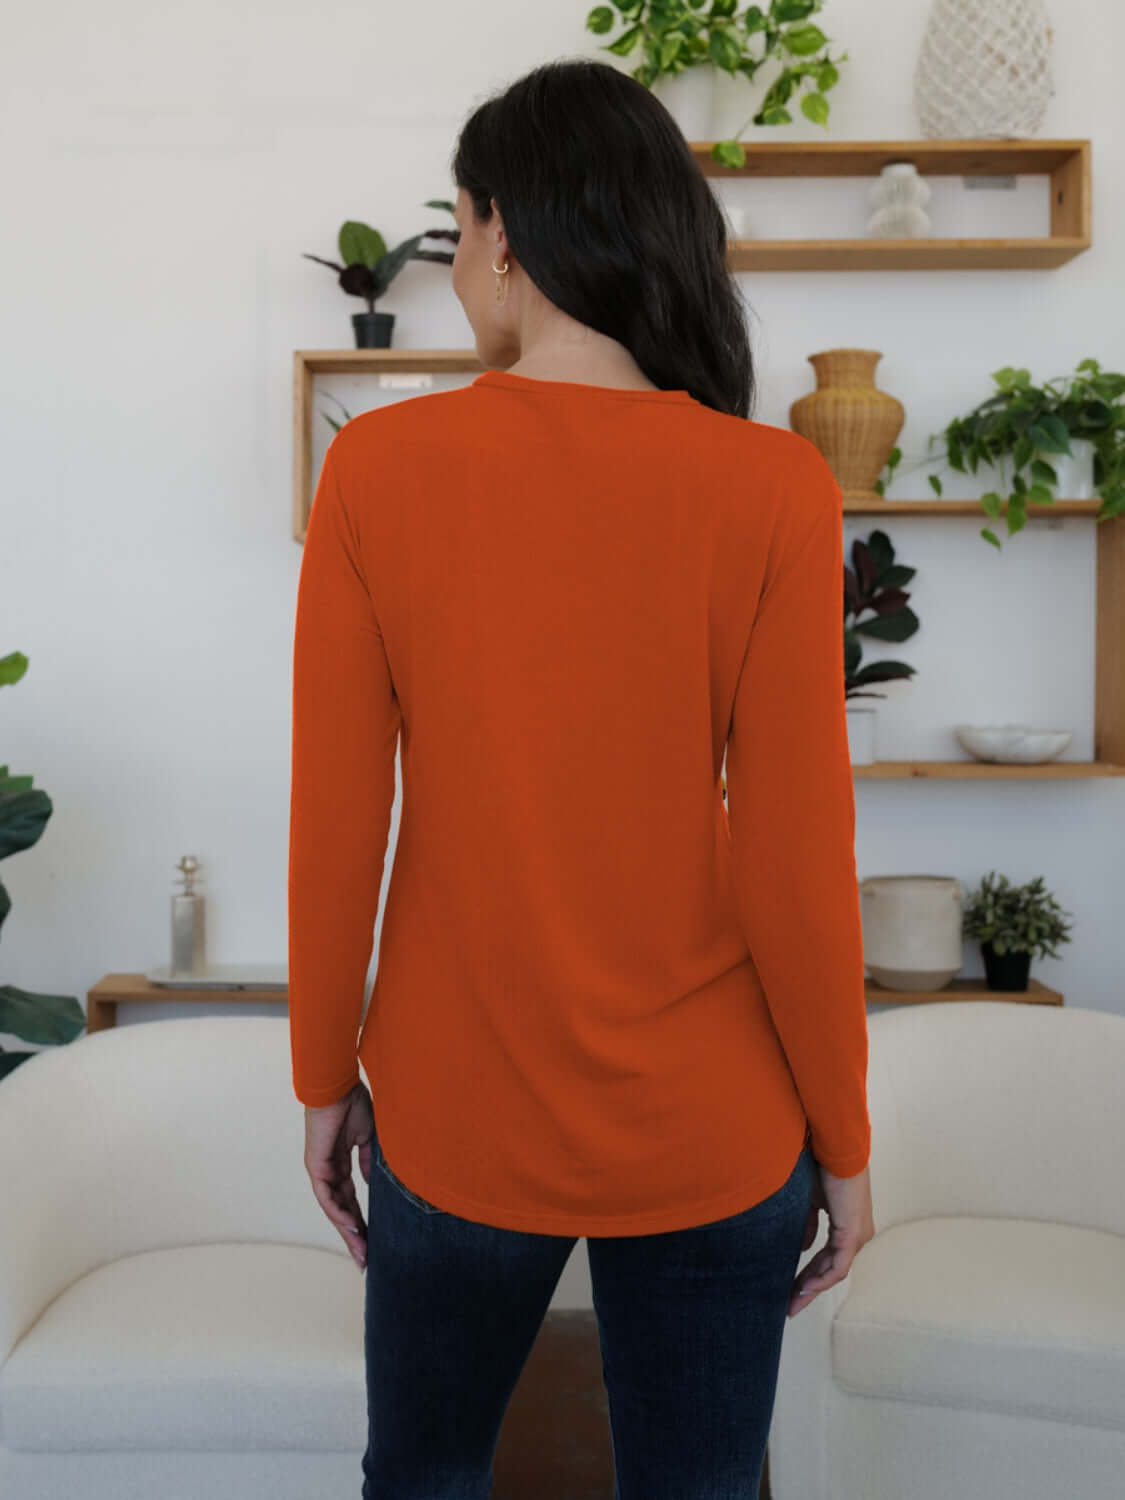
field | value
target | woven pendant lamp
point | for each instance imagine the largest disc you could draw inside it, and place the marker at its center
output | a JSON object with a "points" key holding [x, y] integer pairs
{"points": [[984, 69]]}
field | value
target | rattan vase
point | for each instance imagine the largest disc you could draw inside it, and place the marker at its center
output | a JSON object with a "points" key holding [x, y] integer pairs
{"points": [[851, 421]]}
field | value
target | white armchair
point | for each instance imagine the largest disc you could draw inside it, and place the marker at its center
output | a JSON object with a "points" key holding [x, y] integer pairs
{"points": [[177, 1316], [977, 1347]]}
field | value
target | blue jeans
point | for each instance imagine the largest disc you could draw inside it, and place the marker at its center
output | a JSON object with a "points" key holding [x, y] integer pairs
{"points": [[690, 1323]]}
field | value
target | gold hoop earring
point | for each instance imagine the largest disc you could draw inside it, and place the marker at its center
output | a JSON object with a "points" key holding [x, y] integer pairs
{"points": [[501, 284]]}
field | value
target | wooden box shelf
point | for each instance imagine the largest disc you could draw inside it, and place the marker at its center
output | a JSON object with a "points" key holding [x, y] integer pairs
{"points": [[1109, 648], [1066, 162]]}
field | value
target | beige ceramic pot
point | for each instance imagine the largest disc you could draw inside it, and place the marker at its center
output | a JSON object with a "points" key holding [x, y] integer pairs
{"points": [[912, 929]]}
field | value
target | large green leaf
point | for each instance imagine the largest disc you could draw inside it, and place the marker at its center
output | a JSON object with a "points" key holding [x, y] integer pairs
{"points": [[44, 1019], [23, 815], [897, 627], [393, 262], [361, 245], [12, 667], [883, 671], [802, 41]]}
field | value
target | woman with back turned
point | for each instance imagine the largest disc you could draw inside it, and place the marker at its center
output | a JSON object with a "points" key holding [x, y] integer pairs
{"points": [[603, 1008]]}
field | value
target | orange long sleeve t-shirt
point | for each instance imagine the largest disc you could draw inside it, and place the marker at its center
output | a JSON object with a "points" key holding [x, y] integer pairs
{"points": [[605, 1003]]}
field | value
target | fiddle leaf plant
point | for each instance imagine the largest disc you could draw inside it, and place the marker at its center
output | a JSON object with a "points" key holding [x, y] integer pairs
{"points": [[874, 583], [674, 35], [24, 810]]}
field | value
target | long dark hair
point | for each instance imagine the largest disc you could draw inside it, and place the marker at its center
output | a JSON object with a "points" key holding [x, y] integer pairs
{"points": [[610, 215]]}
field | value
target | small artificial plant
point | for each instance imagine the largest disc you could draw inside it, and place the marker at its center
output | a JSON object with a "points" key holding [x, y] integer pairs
{"points": [[369, 267], [1027, 423], [1015, 919], [24, 810], [875, 582], [678, 34]]}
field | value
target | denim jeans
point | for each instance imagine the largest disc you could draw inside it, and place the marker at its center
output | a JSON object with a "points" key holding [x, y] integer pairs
{"points": [[690, 1323]]}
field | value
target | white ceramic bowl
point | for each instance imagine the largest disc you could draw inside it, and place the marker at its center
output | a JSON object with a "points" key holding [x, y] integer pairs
{"points": [[1014, 743]]}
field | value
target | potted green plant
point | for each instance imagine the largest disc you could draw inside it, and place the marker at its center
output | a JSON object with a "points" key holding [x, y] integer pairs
{"points": [[678, 35], [1011, 923], [873, 583], [368, 268], [1027, 426], [24, 810]]}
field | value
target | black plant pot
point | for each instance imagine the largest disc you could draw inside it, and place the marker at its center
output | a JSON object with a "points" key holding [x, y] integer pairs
{"points": [[1006, 971], [373, 330]]}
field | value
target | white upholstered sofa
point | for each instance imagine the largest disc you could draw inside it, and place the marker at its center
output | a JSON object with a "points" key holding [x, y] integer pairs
{"points": [[977, 1348], [178, 1319], [177, 1316]]}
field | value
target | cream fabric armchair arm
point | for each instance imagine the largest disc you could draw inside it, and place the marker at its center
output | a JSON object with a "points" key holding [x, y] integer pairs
{"points": [[173, 1132], [177, 1316], [978, 1344]]}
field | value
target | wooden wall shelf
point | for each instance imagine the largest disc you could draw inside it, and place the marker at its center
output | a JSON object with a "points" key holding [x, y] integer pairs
{"points": [[1066, 162], [984, 770], [963, 989], [872, 505], [386, 363]]}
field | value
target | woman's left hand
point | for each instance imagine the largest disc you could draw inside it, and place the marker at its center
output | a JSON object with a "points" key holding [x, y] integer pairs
{"points": [[332, 1131]]}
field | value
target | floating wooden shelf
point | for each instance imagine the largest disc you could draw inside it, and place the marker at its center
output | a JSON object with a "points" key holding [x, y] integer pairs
{"points": [[963, 989], [874, 506], [953, 770], [1067, 162]]}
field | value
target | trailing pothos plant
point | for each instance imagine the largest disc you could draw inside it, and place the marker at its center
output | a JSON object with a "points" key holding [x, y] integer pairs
{"points": [[678, 34], [1026, 424]]}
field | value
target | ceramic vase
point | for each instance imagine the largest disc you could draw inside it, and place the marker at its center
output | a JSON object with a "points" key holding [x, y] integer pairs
{"points": [[912, 928], [984, 70], [899, 201]]}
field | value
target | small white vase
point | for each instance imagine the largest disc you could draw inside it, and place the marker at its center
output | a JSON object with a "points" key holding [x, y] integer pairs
{"points": [[1075, 471], [898, 199], [861, 734], [687, 98]]}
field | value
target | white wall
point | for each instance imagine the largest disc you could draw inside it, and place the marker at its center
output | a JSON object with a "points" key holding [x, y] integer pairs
{"points": [[163, 169]]}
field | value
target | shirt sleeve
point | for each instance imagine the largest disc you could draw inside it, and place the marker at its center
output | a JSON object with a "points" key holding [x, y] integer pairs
{"points": [[791, 809], [346, 721]]}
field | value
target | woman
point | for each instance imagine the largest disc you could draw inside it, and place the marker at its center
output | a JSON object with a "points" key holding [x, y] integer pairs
{"points": [[601, 1008]]}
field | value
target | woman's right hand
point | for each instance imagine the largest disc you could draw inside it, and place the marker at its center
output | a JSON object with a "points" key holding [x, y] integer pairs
{"points": [[851, 1223]]}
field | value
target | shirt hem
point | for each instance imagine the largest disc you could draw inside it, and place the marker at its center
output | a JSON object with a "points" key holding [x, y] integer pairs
{"points": [[583, 1225]]}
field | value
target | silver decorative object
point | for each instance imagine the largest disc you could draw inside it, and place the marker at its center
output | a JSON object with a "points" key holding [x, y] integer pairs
{"points": [[187, 923]]}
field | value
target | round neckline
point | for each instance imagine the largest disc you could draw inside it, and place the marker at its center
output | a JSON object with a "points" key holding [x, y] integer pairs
{"points": [[509, 381]]}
